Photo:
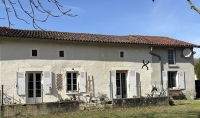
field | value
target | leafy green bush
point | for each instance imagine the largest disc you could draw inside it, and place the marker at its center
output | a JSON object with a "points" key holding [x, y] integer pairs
{"points": [[197, 70]]}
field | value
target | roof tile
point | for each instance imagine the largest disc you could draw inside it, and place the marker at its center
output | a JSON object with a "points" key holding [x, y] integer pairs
{"points": [[84, 37]]}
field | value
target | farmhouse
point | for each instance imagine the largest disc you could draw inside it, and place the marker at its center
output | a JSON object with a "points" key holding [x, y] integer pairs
{"points": [[45, 66]]}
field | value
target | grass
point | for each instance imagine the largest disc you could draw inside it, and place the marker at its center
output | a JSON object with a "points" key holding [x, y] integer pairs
{"points": [[181, 109]]}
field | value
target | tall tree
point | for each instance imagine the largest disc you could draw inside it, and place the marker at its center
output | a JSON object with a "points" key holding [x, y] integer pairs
{"points": [[197, 68], [34, 6]]}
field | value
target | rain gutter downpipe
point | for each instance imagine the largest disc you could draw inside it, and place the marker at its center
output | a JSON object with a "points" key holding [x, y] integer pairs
{"points": [[151, 52]]}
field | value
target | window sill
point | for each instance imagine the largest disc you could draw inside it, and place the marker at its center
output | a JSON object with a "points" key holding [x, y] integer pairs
{"points": [[72, 92], [173, 66], [174, 88]]}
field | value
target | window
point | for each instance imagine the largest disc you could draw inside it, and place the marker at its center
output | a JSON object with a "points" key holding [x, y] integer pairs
{"points": [[171, 56], [71, 81], [172, 81], [34, 53], [61, 53], [121, 54]]}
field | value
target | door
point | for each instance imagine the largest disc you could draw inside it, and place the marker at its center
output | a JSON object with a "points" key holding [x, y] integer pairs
{"points": [[121, 85], [34, 88]]}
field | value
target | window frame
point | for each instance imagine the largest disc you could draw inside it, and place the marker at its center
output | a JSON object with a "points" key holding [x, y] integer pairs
{"points": [[71, 84], [174, 55], [31, 54], [59, 53]]}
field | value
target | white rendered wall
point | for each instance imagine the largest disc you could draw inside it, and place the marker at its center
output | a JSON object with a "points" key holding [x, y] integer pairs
{"points": [[95, 59]]}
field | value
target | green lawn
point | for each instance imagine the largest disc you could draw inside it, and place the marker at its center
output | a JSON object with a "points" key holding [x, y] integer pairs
{"points": [[181, 109]]}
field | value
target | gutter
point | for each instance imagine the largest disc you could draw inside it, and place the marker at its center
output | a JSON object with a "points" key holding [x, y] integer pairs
{"points": [[154, 53], [151, 52]]}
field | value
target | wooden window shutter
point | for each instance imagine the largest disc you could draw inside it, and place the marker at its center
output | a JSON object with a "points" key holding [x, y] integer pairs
{"points": [[181, 76], [83, 80], [47, 82], [21, 88], [113, 84], [133, 83], [165, 80]]}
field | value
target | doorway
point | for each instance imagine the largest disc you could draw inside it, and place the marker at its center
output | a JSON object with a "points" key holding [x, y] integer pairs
{"points": [[121, 85], [34, 87]]}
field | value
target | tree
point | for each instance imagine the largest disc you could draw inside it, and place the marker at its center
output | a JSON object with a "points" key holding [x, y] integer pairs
{"points": [[191, 6], [197, 68], [35, 6]]}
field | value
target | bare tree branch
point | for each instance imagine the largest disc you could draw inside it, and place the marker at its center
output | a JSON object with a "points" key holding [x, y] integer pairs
{"points": [[7, 12], [191, 5], [35, 6], [12, 4]]}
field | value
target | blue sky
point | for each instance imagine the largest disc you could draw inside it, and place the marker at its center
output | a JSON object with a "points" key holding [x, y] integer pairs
{"points": [[171, 18]]}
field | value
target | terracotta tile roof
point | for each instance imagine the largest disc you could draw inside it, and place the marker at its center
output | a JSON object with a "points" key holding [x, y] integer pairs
{"points": [[84, 37]]}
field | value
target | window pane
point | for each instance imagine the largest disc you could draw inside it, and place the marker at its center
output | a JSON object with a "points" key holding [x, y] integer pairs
{"points": [[68, 81], [61, 53], [118, 83], [69, 87], [38, 77], [172, 57], [68, 75], [117, 76], [38, 85], [30, 77], [30, 93], [118, 91], [121, 54], [34, 52], [74, 75], [38, 93], [74, 81], [30, 85], [74, 87]]}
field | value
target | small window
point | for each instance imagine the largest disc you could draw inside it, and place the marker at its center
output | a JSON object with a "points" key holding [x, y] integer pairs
{"points": [[34, 53], [61, 53], [121, 54], [171, 56]]}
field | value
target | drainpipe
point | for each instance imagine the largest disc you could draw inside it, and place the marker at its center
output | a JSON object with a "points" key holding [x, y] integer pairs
{"points": [[151, 52]]}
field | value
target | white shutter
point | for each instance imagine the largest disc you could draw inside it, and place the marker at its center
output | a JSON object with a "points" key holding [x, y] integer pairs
{"points": [[83, 80], [165, 80], [133, 83], [113, 83], [181, 77], [21, 90], [47, 82]]}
